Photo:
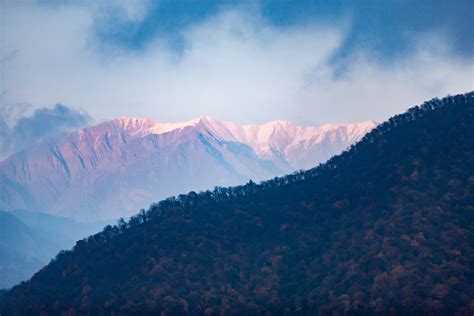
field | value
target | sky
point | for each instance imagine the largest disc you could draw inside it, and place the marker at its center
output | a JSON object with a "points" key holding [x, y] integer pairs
{"points": [[309, 62]]}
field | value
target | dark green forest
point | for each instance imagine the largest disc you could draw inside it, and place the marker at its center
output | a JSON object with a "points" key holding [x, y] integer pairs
{"points": [[384, 228]]}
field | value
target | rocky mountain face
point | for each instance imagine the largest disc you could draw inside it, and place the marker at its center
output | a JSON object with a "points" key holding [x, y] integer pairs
{"points": [[116, 167]]}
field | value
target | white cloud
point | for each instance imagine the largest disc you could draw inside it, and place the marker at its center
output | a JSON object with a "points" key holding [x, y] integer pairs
{"points": [[29, 128], [133, 10], [235, 66]]}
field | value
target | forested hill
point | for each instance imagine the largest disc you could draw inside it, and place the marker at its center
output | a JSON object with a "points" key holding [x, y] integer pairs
{"points": [[386, 227]]}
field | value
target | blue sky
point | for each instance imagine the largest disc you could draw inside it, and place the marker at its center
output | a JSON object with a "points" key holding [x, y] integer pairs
{"points": [[310, 62], [382, 26]]}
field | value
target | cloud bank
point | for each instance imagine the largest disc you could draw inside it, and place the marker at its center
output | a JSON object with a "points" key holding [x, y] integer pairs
{"points": [[234, 65], [41, 124]]}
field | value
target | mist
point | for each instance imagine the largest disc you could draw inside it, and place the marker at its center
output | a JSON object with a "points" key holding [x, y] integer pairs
{"points": [[234, 65], [18, 129]]}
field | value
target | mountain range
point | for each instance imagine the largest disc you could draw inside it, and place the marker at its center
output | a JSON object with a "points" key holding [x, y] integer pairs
{"points": [[114, 168], [384, 228]]}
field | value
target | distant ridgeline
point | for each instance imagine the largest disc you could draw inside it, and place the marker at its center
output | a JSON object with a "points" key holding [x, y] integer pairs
{"points": [[220, 194], [385, 227]]}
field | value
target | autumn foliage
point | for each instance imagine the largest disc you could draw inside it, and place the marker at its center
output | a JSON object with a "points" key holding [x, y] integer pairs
{"points": [[384, 228]]}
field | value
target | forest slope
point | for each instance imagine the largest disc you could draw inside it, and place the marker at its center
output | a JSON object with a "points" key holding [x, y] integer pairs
{"points": [[385, 227]]}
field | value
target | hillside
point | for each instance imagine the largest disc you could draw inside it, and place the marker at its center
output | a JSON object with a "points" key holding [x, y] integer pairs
{"points": [[116, 167], [64, 229], [23, 250], [386, 227], [29, 240]]}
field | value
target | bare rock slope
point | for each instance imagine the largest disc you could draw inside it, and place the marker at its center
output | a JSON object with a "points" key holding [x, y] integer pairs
{"points": [[116, 167]]}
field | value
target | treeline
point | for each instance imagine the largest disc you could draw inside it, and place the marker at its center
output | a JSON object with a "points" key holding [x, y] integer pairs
{"points": [[384, 228], [220, 194]]}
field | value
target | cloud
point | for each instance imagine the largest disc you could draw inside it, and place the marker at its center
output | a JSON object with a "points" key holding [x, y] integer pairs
{"points": [[234, 65], [41, 124]]}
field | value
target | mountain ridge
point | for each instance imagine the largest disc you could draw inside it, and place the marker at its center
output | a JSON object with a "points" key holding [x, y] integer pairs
{"points": [[383, 228], [71, 175]]}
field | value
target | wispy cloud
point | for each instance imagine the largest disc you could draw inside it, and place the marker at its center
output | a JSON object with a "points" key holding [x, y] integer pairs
{"points": [[19, 130], [234, 65]]}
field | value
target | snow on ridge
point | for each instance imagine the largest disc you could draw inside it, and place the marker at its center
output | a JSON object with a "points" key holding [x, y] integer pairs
{"points": [[113, 168], [258, 132], [279, 136]]}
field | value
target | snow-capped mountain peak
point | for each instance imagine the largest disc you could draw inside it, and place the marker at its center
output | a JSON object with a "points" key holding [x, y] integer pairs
{"points": [[118, 166]]}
